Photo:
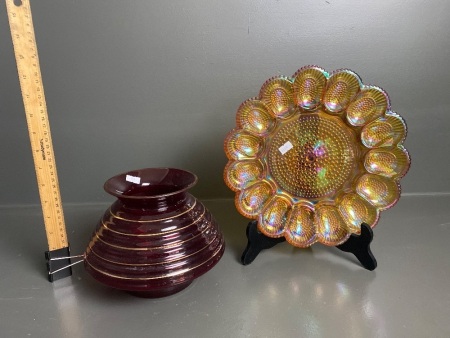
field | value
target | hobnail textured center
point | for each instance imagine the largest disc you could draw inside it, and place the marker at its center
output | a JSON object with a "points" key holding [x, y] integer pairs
{"points": [[312, 156]]}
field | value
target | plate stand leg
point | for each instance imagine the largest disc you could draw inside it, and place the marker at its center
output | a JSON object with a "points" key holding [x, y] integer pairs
{"points": [[257, 242], [359, 245]]}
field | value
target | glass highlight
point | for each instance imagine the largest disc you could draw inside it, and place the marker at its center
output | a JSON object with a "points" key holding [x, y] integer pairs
{"points": [[315, 155]]}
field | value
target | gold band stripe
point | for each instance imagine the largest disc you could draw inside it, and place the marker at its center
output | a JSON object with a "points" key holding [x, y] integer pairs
{"points": [[159, 233], [150, 264], [153, 220], [172, 245], [173, 274]]}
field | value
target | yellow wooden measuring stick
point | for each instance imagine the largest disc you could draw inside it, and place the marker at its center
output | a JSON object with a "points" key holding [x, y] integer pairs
{"points": [[26, 54]]}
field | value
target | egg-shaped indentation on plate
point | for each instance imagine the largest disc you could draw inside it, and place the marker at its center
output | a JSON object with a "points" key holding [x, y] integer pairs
{"points": [[300, 229], [356, 210], [277, 94], [331, 228], [254, 116], [369, 104], [380, 191], [272, 220], [241, 145], [240, 174], [393, 163], [385, 131], [251, 200], [309, 84], [341, 88]]}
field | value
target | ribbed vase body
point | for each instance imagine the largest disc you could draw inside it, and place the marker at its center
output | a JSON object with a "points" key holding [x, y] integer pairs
{"points": [[156, 238]]}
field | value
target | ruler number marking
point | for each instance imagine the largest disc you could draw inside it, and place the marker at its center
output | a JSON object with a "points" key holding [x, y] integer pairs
{"points": [[25, 49]]}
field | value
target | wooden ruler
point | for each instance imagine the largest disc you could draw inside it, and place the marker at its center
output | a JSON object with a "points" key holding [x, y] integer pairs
{"points": [[25, 50]]}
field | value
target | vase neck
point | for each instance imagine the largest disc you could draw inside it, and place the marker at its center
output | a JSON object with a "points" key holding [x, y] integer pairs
{"points": [[157, 204]]}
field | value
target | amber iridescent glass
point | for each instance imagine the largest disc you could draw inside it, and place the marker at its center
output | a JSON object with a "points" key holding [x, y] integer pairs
{"points": [[315, 155]]}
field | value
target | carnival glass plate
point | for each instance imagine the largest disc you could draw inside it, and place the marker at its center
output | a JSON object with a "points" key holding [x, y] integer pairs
{"points": [[315, 155]]}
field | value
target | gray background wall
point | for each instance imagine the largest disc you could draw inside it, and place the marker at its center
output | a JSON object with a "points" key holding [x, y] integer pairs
{"points": [[133, 84]]}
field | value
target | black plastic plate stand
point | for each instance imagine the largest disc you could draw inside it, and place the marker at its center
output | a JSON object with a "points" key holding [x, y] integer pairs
{"points": [[257, 242], [359, 245]]}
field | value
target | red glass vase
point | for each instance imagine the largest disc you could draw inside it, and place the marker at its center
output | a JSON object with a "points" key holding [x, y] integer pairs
{"points": [[156, 238]]}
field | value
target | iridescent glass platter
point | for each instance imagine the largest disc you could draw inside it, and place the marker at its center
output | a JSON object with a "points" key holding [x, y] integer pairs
{"points": [[315, 155]]}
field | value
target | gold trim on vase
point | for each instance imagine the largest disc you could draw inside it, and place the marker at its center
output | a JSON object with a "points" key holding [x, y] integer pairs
{"points": [[155, 234], [151, 264], [172, 245], [153, 220], [173, 274]]}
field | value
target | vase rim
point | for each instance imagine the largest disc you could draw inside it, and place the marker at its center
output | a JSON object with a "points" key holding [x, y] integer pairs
{"points": [[142, 183]]}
